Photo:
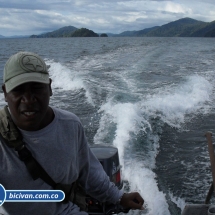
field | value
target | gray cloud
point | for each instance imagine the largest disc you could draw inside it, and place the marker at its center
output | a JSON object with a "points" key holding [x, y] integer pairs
{"points": [[112, 16]]}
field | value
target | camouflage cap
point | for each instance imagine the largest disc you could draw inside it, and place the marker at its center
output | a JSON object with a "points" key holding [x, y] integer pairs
{"points": [[24, 67]]}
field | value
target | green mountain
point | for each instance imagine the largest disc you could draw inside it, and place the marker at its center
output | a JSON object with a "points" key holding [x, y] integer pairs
{"points": [[181, 28], [84, 32], [135, 33], [205, 30], [210, 33], [103, 35], [68, 31], [62, 32], [185, 27]]}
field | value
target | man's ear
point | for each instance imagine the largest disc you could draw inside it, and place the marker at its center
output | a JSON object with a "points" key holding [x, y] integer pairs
{"points": [[5, 93], [50, 88]]}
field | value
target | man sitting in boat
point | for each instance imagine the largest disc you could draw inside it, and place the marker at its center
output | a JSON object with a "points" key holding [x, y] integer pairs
{"points": [[54, 139]]}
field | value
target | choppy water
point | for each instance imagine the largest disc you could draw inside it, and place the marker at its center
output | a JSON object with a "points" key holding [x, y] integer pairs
{"points": [[153, 98]]}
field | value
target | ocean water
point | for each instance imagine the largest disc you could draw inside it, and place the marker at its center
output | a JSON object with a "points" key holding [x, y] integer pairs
{"points": [[153, 98]]}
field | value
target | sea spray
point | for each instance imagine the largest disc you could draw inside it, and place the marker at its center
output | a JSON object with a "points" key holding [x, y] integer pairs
{"points": [[172, 104], [149, 116], [65, 79], [128, 121]]}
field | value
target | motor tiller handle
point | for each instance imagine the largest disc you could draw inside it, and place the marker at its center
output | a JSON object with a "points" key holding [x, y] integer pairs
{"points": [[211, 154]]}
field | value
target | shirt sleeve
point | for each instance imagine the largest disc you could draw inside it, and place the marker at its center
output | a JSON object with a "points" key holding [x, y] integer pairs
{"points": [[92, 175]]}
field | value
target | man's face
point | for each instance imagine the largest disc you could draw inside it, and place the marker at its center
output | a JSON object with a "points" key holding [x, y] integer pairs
{"points": [[29, 105]]}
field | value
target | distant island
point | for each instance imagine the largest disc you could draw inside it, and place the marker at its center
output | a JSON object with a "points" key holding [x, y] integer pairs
{"points": [[185, 27], [69, 31]]}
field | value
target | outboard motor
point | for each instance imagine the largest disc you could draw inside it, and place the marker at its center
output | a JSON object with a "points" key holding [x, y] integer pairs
{"points": [[109, 158]]}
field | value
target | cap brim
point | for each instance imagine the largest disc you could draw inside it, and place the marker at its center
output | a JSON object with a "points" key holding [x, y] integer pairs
{"points": [[25, 78]]}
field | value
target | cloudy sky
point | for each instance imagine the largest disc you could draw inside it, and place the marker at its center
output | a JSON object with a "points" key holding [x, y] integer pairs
{"points": [[27, 17]]}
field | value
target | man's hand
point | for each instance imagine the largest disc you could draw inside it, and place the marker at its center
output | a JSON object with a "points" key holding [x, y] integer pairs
{"points": [[132, 201]]}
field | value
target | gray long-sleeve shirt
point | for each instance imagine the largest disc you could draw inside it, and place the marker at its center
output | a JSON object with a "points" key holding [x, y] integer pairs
{"points": [[62, 150]]}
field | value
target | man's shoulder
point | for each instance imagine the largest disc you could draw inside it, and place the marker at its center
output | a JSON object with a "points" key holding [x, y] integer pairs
{"points": [[65, 115]]}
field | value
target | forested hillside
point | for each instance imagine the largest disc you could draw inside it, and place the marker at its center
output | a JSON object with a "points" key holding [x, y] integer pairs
{"points": [[185, 27]]}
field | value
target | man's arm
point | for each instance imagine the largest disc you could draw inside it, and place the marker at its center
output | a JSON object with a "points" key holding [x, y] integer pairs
{"points": [[96, 182]]}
